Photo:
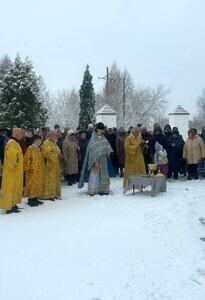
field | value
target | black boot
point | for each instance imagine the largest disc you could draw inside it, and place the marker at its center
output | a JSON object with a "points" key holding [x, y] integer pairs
{"points": [[175, 175], [69, 178], [121, 172], [39, 202], [29, 201], [33, 202], [14, 209]]}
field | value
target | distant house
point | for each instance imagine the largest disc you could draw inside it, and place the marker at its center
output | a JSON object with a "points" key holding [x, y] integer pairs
{"points": [[107, 115], [180, 118]]}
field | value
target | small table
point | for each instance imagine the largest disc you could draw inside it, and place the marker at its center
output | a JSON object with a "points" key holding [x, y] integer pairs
{"points": [[158, 183]]}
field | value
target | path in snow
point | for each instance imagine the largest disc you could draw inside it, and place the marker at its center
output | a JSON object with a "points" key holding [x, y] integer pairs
{"points": [[107, 248]]}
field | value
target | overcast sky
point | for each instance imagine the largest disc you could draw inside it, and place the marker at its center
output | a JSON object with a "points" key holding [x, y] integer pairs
{"points": [[157, 41]]}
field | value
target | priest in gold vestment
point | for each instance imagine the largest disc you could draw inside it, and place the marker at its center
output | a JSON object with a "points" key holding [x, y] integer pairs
{"points": [[134, 159], [52, 157]]}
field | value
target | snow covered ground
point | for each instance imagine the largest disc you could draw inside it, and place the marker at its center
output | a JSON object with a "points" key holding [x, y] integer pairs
{"points": [[107, 247]]}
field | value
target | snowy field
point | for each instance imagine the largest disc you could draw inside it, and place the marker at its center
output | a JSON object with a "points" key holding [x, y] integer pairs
{"points": [[107, 247]]}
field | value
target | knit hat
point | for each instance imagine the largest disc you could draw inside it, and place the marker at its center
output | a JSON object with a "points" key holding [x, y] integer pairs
{"points": [[100, 125], [56, 127], [157, 129], [121, 130], [175, 131], [70, 132], [90, 126]]}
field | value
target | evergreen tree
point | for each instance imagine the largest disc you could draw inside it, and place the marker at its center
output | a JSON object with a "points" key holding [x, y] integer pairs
{"points": [[5, 63], [20, 96], [87, 101]]}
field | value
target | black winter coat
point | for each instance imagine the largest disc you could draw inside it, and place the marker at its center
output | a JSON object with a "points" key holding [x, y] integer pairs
{"points": [[175, 150], [161, 139]]}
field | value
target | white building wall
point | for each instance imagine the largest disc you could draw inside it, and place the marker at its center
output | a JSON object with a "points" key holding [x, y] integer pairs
{"points": [[180, 121], [108, 120]]}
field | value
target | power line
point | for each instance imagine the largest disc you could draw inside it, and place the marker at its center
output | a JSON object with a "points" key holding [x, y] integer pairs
{"points": [[166, 70]]}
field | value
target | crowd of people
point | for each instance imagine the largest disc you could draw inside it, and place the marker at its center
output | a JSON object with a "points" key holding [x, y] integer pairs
{"points": [[33, 163]]}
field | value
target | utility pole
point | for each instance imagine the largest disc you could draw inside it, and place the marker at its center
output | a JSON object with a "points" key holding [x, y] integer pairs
{"points": [[107, 84], [123, 101]]}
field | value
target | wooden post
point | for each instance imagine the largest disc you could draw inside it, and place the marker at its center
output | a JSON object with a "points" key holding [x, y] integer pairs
{"points": [[123, 101]]}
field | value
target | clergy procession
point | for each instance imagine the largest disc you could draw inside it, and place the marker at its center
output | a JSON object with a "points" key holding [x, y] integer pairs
{"points": [[35, 163]]}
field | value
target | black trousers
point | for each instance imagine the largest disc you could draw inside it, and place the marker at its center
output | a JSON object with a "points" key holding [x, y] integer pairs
{"points": [[114, 161], [192, 171], [71, 178], [173, 170]]}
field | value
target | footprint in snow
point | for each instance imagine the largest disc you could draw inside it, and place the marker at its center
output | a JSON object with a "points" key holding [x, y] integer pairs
{"points": [[201, 272], [202, 221], [90, 283]]}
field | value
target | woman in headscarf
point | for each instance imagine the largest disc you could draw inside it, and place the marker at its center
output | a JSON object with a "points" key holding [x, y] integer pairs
{"points": [[70, 156], [96, 161], [167, 130]]}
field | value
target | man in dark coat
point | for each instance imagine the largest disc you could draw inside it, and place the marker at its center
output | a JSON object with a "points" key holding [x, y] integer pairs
{"points": [[175, 146], [120, 149], [147, 137], [111, 137], [83, 144]]}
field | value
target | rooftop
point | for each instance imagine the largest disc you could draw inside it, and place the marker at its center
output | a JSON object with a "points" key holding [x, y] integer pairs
{"points": [[179, 111], [106, 110]]}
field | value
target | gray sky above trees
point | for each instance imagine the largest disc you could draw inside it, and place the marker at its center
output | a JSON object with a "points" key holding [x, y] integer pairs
{"points": [[159, 41]]}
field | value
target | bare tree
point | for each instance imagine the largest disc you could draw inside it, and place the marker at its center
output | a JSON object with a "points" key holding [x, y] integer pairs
{"points": [[199, 119], [149, 104], [115, 92], [201, 106], [142, 105], [63, 108], [197, 123]]}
